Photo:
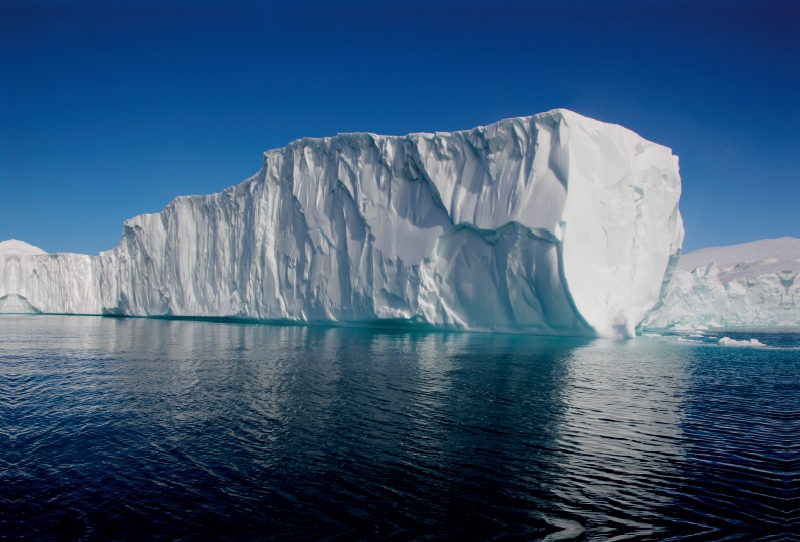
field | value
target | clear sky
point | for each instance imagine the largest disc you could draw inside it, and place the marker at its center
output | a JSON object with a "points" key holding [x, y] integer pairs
{"points": [[110, 109]]}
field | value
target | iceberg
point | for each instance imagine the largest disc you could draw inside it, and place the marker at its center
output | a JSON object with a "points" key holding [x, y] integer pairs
{"points": [[749, 285], [549, 224], [14, 247], [32, 281], [727, 341]]}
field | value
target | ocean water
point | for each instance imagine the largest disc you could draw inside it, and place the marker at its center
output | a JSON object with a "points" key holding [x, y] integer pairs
{"points": [[115, 429]]}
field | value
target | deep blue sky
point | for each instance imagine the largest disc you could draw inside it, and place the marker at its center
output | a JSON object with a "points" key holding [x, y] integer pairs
{"points": [[111, 109]]}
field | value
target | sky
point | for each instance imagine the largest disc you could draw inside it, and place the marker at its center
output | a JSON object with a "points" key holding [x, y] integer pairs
{"points": [[111, 109]]}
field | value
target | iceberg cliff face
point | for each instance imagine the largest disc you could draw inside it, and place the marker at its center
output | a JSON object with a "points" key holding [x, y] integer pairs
{"points": [[52, 284], [750, 285], [32, 281], [554, 224]]}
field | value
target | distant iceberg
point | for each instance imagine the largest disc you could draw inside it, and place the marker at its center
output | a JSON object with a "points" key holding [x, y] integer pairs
{"points": [[748, 285], [32, 281], [549, 224], [14, 247]]}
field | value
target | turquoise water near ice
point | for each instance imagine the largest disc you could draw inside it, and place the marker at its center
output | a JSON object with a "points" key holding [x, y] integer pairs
{"points": [[117, 428]]}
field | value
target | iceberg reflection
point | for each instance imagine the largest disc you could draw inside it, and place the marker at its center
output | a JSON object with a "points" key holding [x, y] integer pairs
{"points": [[619, 443]]}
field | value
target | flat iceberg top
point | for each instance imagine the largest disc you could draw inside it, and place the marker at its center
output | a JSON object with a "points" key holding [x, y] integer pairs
{"points": [[747, 260], [14, 247], [783, 248]]}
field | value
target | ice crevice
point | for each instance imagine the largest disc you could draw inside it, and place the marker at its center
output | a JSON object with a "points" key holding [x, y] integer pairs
{"points": [[549, 224]]}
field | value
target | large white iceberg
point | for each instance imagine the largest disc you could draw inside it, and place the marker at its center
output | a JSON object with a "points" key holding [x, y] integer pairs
{"points": [[748, 285], [550, 224]]}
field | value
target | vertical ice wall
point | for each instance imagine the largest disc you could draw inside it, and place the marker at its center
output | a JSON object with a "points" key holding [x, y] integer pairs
{"points": [[33, 281], [553, 223]]}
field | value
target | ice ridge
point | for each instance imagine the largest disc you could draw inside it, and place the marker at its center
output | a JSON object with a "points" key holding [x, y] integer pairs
{"points": [[549, 224]]}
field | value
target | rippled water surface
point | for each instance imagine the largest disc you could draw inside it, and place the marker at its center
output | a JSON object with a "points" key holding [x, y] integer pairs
{"points": [[140, 429]]}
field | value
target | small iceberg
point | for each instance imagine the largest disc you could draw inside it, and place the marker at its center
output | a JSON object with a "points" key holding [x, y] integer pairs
{"points": [[727, 341]]}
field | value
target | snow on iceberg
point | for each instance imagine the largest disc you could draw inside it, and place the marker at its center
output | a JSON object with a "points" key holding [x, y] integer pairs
{"points": [[749, 285], [549, 224], [14, 247]]}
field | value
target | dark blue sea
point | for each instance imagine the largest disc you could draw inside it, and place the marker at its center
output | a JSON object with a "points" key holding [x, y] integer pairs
{"points": [[134, 429]]}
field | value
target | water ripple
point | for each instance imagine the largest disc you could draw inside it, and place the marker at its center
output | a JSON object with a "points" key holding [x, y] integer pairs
{"points": [[130, 429]]}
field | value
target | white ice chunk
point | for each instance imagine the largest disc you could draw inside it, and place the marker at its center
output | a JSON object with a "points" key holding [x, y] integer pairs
{"points": [[727, 341]]}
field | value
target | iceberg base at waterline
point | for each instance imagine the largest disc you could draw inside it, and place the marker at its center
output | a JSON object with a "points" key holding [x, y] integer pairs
{"points": [[548, 224]]}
